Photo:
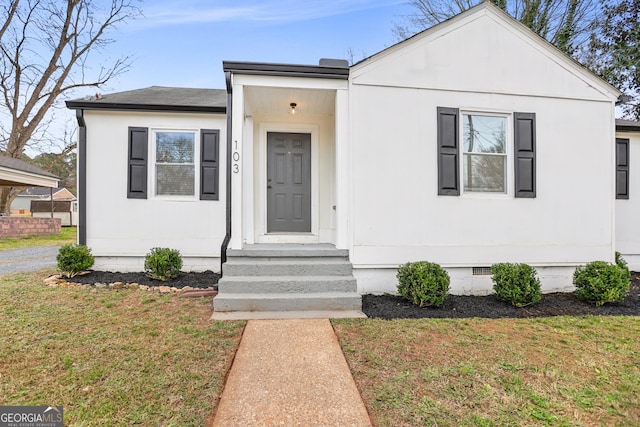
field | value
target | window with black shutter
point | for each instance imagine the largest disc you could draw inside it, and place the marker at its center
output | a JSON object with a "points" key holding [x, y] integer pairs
{"points": [[622, 168], [209, 164], [525, 154], [137, 166], [485, 166], [448, 176]]}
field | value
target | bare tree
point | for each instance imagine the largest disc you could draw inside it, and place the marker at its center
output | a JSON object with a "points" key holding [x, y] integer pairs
{"points": [[45, 50], [565, 23]]}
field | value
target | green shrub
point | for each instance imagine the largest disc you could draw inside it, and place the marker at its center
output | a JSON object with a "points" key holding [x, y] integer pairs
{"points": [[516, 283], [620, 262], [73, 259], [600, 282], [163, 263], [423, 283]]}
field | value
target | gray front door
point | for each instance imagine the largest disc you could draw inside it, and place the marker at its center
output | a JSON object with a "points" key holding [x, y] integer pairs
{"points": [[288, 182]]}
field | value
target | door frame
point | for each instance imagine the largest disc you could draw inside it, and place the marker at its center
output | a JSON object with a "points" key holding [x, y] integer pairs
{"points": [[261, 234]]}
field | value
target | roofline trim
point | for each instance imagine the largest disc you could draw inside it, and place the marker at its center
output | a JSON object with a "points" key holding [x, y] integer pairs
{"points": [[628, 128], [93, 105], [288, 70]]}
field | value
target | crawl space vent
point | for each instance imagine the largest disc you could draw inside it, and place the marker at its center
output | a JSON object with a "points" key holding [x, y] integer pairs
{"points": [[482, 271]]}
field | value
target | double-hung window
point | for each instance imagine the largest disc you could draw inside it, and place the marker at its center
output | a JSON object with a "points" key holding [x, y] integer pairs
{"points": [[498, 153], [181, 164], [175, 167], [484, 153]]}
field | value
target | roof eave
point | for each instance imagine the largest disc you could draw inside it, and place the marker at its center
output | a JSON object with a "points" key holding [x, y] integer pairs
{"points": [[93, 105], [288, 70], [626, 128]]}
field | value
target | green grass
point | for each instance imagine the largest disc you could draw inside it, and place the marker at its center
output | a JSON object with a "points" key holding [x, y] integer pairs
{"points": [[109, 357], [68, 235], [562, 371]]}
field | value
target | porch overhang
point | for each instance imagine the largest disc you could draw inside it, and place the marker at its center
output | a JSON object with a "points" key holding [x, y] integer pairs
{"points": [[17, 173], [261, 96], [289, 70]]}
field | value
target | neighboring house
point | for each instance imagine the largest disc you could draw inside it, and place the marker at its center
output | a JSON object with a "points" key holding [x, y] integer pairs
{"points": [[21, 205], [471, 143], [628, 192]]}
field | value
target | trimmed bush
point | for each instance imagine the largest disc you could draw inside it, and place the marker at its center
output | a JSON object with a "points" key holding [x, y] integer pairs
{"points": [[516, 284], [600, 282], [163, 263], [73, 259], [620, 262], [423, 283]]}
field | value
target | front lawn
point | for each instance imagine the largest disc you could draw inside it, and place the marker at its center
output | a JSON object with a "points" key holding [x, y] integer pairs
{"points": [[111, 357], [557, 371], [67, 235]]}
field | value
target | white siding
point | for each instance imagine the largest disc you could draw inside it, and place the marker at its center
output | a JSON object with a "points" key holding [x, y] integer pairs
{"points": [[480, 63], [628, 211], [121, 231]]}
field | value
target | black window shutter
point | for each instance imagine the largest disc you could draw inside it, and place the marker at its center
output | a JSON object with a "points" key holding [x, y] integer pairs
{"points": [[448, 141], [209, 164], [137, 168], [622, 168], [525, 154]]}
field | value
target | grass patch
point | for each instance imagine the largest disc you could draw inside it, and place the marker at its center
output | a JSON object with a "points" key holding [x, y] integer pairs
{"points": [[111, 357], [67, 235], [560, 371]]}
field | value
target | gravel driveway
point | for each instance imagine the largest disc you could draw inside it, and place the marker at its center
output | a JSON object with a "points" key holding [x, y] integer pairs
{"points": [[28, 259]]}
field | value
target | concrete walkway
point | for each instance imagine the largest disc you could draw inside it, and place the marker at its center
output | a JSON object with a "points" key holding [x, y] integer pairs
{"points": [[290, 373]]}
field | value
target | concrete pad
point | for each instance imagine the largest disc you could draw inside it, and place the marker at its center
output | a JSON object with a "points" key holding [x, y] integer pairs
{"points": [[290, 373], [307, 314]]}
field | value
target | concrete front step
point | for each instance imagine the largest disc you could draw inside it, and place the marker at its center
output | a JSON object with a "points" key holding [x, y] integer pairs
{"points": [[289, 278], [322, 301], [291, 314], [287, 267], [289, 250], [287, 284]]}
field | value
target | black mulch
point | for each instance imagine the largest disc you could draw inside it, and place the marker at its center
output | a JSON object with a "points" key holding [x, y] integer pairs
{"points": [[394, 307], [195, 280], [554, 304]]}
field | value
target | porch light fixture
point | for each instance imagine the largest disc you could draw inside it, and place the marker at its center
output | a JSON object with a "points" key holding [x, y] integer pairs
{"points": [[293, 106]]}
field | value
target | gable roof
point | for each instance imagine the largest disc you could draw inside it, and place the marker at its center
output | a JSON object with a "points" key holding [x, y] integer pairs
{"points": [[488, 6], [18, 173], [157, 98]]}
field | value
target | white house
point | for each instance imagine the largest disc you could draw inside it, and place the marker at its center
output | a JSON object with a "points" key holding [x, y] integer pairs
{"points": [[471, 143], [628, 192]]}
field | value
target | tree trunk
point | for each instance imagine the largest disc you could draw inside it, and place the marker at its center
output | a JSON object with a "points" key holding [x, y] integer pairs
{"points": [[5, 200]]}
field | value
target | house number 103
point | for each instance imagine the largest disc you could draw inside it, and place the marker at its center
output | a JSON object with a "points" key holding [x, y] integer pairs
{"points": [[236, 158]]}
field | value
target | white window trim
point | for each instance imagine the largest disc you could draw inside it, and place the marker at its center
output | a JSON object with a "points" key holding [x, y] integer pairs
{"points": [[196, 164], [510, 178]]}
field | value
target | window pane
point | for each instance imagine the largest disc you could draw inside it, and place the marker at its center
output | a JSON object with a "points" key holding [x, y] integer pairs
{"points": [[175, 180], [174, 147], [484, 153], [484, 134], [483, 172]]}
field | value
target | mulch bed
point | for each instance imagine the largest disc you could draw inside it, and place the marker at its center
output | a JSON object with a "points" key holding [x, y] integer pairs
{"points": [[394, 307], [553, 304], [203, 280]]}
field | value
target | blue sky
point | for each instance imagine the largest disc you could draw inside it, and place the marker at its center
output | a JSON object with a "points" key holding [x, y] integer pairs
{"points": [[183, 43]]}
